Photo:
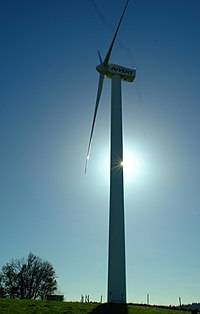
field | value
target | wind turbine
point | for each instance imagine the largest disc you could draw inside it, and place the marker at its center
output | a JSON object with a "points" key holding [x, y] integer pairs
{"points": [[116, 249]]}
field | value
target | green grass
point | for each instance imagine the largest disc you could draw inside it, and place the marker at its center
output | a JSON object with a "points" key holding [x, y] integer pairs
{"points": [[10, 306]]}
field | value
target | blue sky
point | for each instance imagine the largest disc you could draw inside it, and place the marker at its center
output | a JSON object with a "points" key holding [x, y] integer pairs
{"points": [[48, 88]]}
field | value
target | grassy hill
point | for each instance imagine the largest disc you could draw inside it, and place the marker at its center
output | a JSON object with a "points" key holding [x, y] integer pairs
{"points": [[10, 306]]}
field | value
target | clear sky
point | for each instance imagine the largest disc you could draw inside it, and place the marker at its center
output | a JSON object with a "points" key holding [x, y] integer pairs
{"points": [[48, 86]]}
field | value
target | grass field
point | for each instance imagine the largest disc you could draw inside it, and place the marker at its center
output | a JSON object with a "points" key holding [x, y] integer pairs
{"points": [[10, 306]]}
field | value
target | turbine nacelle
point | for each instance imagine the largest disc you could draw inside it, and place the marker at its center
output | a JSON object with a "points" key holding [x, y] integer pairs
{"points": [[126, 74]]}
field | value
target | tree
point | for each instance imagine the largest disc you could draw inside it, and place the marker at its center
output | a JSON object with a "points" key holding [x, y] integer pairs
{"points": [[2, 291], [32, 278]]}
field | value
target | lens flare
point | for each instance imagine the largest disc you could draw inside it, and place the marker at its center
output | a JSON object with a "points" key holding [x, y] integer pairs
{"points": [[132, 164]]}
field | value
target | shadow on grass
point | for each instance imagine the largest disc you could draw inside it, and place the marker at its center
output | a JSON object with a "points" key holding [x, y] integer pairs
{"points": [[111, 308]]}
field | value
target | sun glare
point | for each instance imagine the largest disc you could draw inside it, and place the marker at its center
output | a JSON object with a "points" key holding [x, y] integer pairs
{"points": [[132, 165]]}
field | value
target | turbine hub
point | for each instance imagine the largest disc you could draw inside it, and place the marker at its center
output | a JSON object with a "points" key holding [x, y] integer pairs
{"points": [[102, 69]]}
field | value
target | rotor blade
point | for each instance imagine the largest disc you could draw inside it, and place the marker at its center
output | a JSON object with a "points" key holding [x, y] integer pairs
{"points": [[106, 60], [100, 87], [100, 58]]}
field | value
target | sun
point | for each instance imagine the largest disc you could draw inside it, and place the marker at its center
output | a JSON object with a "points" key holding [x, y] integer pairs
{"points": [[131, 165]]}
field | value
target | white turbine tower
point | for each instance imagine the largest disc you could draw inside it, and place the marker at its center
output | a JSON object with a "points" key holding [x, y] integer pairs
{"points": [[116, 251]]}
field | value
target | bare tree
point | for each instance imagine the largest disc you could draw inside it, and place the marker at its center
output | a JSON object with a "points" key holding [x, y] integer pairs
{"points": [[30, 278]]}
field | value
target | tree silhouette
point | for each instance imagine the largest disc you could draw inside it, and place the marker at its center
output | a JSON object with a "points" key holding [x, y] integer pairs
{"points": [[30, 278]]}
